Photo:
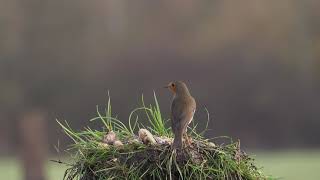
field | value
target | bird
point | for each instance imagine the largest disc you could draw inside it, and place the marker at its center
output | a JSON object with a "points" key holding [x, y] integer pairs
{"points": [[183, 107]]}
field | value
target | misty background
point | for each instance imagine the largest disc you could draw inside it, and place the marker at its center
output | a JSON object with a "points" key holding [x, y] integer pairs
{"points": [[253, 64]]}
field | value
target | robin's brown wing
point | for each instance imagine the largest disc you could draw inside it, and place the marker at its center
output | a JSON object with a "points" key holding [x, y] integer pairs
{"points": [[182, 111], [192, 109]]}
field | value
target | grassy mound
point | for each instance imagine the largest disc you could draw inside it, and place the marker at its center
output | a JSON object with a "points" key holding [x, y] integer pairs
{"points": [[117, 152]]}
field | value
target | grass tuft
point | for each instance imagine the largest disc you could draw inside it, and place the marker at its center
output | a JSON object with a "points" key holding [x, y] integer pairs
{"points": [[134, 159]]}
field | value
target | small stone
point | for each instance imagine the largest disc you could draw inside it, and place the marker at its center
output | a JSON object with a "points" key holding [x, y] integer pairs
{"points": [[146, 137], [109, 138], [117, 143], [211, 144], [163, 140]]}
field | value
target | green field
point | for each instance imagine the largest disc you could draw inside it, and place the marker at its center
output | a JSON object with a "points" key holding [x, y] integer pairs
{"points": [[291, 165]]}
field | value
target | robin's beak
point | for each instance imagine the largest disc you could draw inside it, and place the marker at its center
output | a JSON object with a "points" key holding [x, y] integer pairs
{"points": [[166, 86]]}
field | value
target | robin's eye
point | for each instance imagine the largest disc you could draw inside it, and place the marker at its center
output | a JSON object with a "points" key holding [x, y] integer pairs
{"points": [[172, 85]]}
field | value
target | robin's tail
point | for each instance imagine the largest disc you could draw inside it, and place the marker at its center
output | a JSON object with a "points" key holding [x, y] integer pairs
{"points": [[177, 142]]}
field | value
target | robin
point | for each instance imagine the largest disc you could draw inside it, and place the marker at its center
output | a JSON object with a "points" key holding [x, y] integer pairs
{"points": [[183, 107]]}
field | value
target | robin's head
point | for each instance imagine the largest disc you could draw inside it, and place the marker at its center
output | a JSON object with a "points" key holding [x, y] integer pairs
{"points": [[178, 87]]}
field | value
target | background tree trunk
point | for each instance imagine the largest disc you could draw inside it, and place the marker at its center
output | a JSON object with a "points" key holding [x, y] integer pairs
{"points": [[32, 126]]}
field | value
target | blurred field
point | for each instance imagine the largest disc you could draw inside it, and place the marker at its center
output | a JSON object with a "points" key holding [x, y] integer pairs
{"points": [[11, 169], [291, 165]]}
